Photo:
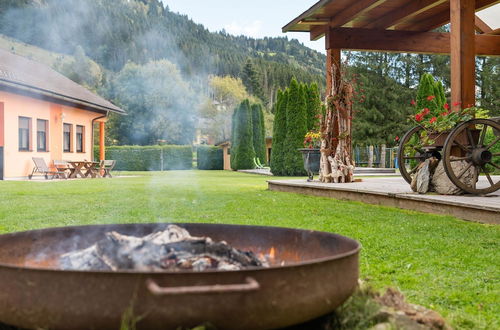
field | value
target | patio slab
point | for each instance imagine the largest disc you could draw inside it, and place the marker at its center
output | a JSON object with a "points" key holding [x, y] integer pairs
{"points": [[395, 192]]}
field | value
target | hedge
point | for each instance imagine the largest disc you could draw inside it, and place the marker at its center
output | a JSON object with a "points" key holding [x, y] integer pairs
{"points": [[150, 158], [209, 158]]}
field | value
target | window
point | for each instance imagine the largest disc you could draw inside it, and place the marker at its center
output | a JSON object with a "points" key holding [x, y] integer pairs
{"points": [[41, 135], [24, 133], [80, 138], [67, 132]]}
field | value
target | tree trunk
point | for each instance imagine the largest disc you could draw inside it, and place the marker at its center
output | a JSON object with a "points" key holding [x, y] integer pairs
{"points": [[336, 163]]}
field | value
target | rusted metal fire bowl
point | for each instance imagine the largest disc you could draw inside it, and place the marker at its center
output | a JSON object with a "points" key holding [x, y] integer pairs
{"points": [[312, 273]]}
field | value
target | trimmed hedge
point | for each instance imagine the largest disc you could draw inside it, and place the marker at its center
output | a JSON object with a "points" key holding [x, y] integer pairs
{"points": [[150, 158], [209, 158]]}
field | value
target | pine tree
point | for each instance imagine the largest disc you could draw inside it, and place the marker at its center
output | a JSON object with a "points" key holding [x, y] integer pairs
{"points": [[259, 138], [245, 153], [296, 120], [279, 135], [313, 106], [251, 80]]}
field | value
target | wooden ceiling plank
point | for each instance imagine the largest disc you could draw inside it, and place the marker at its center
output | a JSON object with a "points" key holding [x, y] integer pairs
{"points": [[441, 18], [397, 15], [353, 10], [404, 41], [481, 26]]}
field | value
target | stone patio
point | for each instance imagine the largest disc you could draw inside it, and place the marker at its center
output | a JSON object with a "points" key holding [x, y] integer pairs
{"points": [[395, 192]]}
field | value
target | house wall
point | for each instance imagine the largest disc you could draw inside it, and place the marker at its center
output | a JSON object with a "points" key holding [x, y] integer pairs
{"points": [[19, 163]]}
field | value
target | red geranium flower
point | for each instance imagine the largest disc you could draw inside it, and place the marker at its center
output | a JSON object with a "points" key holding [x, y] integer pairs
{"points": [[396, 138], [444, 114], [446, 106], [456, 104], [433, 120], [412, 102], [430, 97], [425, 111], [419, 117]]}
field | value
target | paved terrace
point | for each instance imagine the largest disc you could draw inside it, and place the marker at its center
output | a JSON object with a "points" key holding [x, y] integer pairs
{"points": [[395, 192]]}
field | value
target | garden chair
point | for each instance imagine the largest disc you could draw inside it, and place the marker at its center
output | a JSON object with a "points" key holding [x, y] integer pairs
{"points": [[42, 168], [106, 166]]}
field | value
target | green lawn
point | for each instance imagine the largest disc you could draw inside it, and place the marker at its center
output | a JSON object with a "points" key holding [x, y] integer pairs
{"points": [[443, 263]]}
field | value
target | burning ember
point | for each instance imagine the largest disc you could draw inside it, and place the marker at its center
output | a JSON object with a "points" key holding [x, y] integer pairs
{"points": [[173, 249]]}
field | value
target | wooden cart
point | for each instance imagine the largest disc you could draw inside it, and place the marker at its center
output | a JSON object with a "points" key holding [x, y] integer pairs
{"points": [[475, 142]]}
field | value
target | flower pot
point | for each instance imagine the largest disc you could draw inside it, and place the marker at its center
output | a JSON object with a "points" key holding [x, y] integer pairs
{"points": [[311, 159]]}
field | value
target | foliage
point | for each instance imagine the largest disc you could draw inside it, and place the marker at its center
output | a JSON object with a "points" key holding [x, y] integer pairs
{"points": [[440, 262], [234, 140], [217, 108], [279, 134], [313, 102], [159, 103], [296, 128], [259, 132], [244, 150], [209, 158], [150, 158]]}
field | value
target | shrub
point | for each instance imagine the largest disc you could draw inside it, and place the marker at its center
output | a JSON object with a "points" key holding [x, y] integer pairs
{"points": [[279, 135], [209, 158], [259, 132], [243, 139], [150, 158], [296, 128]]}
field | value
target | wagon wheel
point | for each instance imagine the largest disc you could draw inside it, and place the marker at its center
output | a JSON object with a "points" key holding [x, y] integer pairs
{"points": [[481, 154], [410, 155]]}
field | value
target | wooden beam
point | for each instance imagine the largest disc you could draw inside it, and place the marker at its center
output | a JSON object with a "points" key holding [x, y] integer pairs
{"points": [[462, 44], [399, 14], [317, 32], [353, 10], [495, 32], [441, 18], [404, 41], [481, 26]]}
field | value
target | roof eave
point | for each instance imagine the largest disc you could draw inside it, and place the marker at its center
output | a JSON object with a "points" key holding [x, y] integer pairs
{"points": [[289, 27]]}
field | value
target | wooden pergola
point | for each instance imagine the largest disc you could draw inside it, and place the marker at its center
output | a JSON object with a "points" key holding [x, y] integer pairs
{"points": [[405, 26]]}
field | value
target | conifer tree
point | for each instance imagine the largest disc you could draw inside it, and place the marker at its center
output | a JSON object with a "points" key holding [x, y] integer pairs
{"points": [[259, 138], [245, 153], [296, 120], [313, 106], [426, 88], [234, 130], [251, 80], [279, 134]]}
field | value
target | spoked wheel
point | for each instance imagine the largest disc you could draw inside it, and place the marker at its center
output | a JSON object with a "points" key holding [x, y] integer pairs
{"points": [[478, 143], [411, 154]]}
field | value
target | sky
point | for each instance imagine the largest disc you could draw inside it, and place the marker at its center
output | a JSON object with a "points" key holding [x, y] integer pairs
{"points": [[265, 18]]}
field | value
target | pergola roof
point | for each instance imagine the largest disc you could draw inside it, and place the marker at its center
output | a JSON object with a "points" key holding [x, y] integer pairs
{"points": [[404, 15]]}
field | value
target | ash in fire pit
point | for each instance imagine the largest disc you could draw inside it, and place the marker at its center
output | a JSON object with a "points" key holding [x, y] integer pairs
{"points": [[173, 249]]}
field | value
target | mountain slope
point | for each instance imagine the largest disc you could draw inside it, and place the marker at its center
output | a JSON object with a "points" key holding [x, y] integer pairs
{"points": [[114, 32]]}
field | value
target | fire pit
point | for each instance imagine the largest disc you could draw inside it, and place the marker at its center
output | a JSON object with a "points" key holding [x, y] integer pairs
{"points": [[310, 273]]}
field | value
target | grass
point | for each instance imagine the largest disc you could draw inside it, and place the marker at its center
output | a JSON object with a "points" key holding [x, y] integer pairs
{"points": [[440, 262]]}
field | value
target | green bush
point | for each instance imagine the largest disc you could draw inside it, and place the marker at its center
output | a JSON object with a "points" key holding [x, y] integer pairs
{"points": [[149, 158], [210, 158], [279, 135], [243, 139]]}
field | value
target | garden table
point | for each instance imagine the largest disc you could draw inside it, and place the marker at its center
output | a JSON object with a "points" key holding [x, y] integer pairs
{"points": [[84, 169]]}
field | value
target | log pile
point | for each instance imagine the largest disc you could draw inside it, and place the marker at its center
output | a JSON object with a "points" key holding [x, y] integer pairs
{"points": [[173, 249]]}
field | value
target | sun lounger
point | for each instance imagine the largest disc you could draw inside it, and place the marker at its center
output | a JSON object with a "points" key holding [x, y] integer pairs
{"points": [[42, 168]]}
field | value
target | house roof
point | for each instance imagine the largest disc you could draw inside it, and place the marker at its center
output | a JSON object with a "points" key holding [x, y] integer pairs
{"points": [[22, 75], [404, 15]]}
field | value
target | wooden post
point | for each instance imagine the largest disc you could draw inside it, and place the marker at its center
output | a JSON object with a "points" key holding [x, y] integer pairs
{"points": [[332, 57], [462, 44], [102, 150], [382, 156], [370, 156]]}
